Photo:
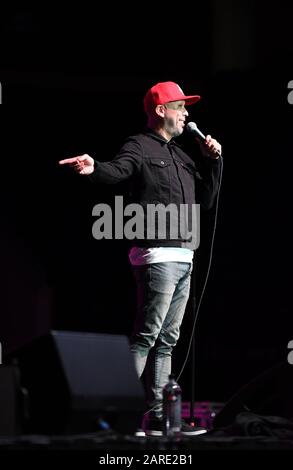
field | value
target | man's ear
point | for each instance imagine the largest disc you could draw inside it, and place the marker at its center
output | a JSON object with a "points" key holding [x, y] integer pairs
{"points": [[160, 110]]}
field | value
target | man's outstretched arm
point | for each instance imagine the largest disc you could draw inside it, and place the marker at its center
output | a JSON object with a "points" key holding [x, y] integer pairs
{"points": [[124, 164]]}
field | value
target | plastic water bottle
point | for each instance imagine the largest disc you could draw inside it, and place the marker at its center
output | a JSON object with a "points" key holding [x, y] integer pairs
{"points": [[172, 408]]}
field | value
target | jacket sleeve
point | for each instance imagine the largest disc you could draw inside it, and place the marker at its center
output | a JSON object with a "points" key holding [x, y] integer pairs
{"points": [[207, 182], [125, 164]]}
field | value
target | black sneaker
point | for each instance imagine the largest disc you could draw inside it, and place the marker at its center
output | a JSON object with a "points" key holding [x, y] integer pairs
{"points": [[139, 433], [154, 427], [188, 430]]}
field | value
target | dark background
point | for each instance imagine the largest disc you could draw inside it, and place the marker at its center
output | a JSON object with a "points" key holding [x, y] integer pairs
{"points": [[73, 82]]}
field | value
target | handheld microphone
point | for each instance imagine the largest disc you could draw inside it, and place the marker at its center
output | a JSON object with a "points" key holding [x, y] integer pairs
{"points": [[192, 128]]}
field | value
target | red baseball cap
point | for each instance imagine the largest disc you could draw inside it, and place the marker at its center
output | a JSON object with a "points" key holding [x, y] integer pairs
{"points": [[165, 92]]}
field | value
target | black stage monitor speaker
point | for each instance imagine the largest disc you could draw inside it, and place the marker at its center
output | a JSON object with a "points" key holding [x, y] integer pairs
{"points": [[10, 401], [269, 394], [79, 382]]}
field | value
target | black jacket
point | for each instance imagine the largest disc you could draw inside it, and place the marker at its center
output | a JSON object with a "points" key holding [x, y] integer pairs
{"points": [[161, 172]]}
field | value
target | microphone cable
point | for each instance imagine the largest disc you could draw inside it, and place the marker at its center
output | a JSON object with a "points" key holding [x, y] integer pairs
{"points": [[207, 274], [206, 279]]}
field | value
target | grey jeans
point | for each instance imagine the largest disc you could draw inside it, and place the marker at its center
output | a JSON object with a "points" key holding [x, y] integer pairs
{"points": [[162, 295]]}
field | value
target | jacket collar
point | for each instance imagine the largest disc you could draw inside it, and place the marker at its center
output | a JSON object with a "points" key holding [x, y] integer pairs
{"points": [[151, 133]]}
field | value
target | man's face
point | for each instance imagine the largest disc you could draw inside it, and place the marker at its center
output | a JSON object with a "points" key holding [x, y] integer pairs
{"points": [[175, 116]]}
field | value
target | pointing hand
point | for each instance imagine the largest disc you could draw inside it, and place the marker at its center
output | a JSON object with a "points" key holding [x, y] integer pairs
{"points": [[82, 164]]}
